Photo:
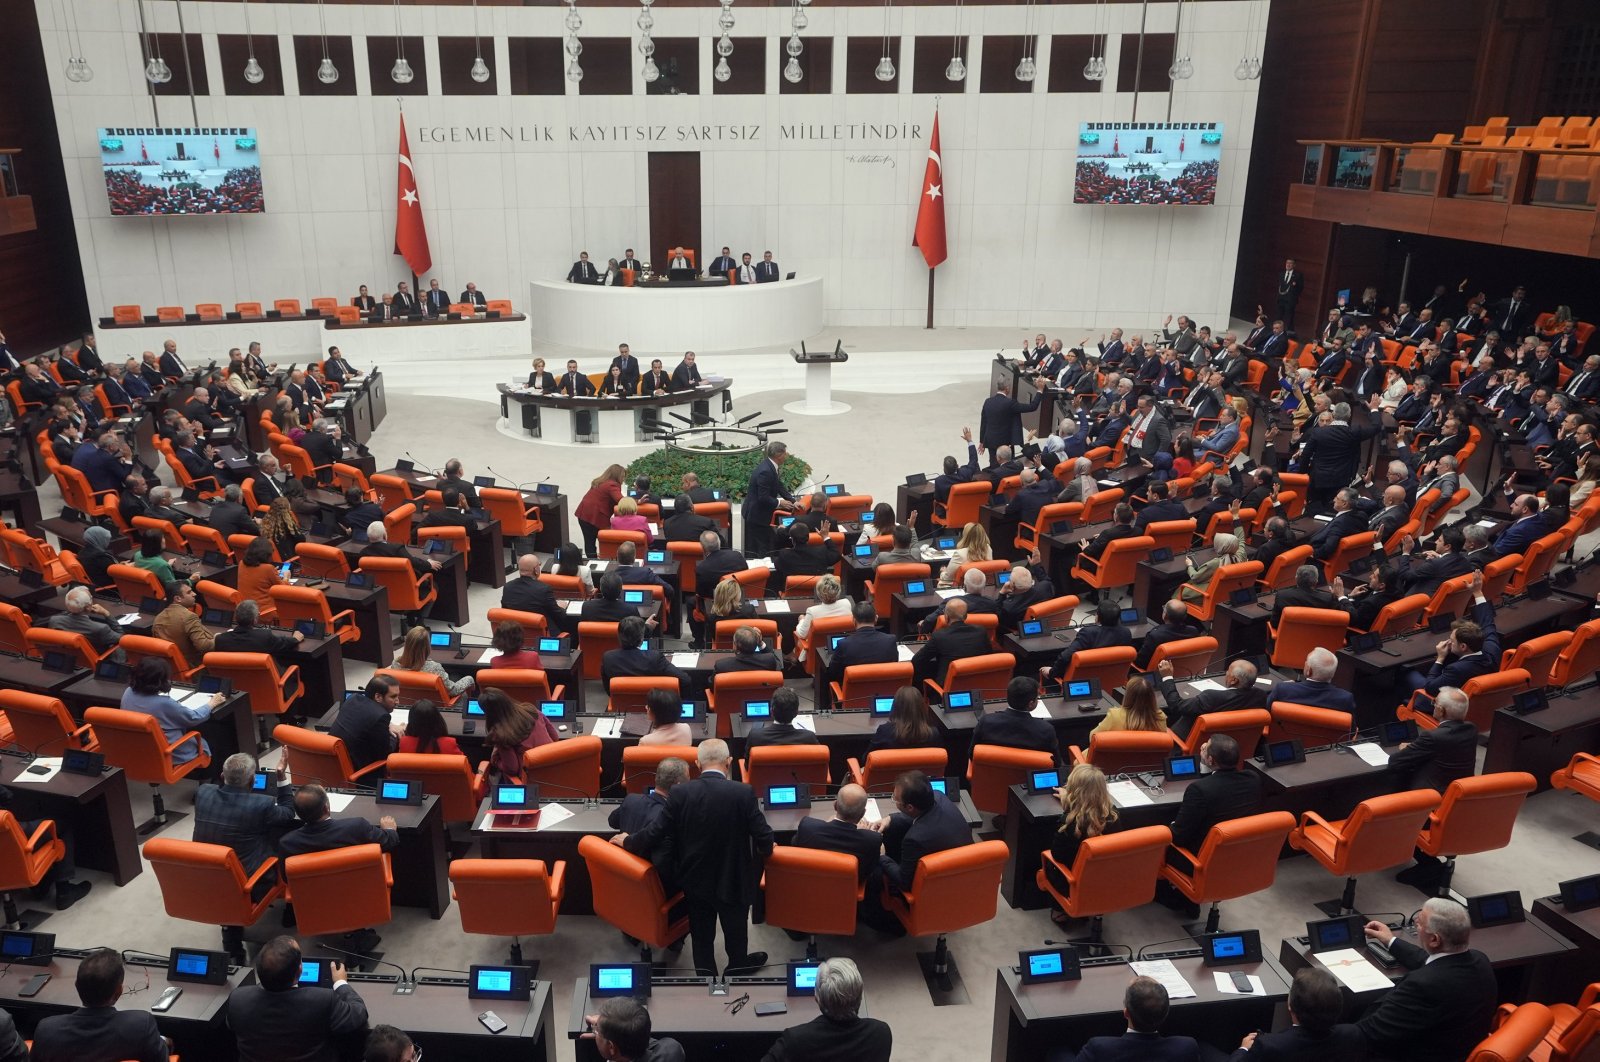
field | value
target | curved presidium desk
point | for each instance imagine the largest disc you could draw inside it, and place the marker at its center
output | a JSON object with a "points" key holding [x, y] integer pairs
{"points": [[603, 421], [674, 317], [299, 339]]}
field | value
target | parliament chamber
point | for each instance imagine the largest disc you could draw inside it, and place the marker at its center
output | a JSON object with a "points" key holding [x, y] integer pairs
{"points": [[1182, 641]]}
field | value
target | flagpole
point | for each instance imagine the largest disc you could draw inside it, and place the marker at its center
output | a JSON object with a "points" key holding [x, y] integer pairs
{"points": [[929, 325]]}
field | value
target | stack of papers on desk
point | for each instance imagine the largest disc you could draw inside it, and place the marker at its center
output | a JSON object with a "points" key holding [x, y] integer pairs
{"points": [[954, 591], [1371, 752], [551, 814], [608, 727], [400, 716], [761, 562], [777, 604], [491, 654], [1126, 794], [806, 722], [574, 608], [904, 653], [685, 659], [1226, 986], [1354, 971], [51, 765], [1163, 970], [197, 699], [340, 801], [1041, 712], [872, 814], [1206, 684], [130, 618]]}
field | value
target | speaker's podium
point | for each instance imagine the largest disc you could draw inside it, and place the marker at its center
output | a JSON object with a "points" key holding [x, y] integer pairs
{"points": [[819, 381]]}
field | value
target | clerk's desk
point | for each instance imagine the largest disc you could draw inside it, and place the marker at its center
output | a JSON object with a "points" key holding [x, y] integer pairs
{"points": [[684, 1009], [1032, 1020], [196, 1022]]}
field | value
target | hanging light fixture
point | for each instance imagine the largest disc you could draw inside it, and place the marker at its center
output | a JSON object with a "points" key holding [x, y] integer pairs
{"points": [[327, 73], [1027, 70], [574, 23], [1095, 68], [1182, 69], [480, 69], [252, 69], [156, 70], [78, 68], [885, 68], [723, 71], [1242, 70], [798, 20], [956, 69], [400, 73]]}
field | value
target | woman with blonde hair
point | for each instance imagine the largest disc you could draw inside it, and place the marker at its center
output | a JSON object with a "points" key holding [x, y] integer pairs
{"points": [[973, 545], [627, 518], [414, 656], [1227, 548], [599, 502], [1086, 811], [1138, 710], [728, 603], [830, 602]]}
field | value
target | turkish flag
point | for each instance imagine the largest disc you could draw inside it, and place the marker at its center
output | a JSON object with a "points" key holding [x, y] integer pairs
{"points": [[410, 235], [930, 206]]}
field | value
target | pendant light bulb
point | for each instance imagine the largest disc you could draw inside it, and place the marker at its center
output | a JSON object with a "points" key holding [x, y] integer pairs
{"points": [[480, 70], [885, 69], [792, 72], [723, 71], [957, 70], [253, 72], [401, 73]]}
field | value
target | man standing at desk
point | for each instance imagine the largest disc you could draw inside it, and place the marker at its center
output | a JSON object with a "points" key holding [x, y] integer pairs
{"points": [[629, 366], [766, 495], [712, 836], [436, 301], [686, 376], [1000, 422], [1443, 1006], [766, 269]]}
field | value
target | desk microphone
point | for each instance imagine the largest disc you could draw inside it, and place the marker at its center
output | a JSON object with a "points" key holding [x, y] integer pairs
{"points": [[404, 987], [414, 461]]}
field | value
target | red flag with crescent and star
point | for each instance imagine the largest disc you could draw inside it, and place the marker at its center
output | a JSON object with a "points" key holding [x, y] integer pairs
{"points": [[929, 238], [410, 236]]}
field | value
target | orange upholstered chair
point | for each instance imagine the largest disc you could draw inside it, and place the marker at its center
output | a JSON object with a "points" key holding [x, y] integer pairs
{"points": [[525, 684], [449, 777], [42, 724], [1188, 656], [206, 883], [1228, 578], [733, 689], [322, 562], [992, 769], [961, 507], [137, 647], [317, 756], [1110, 665], [1056, 612], [1113, 872], [296, 603], [25, 859], [811, 891], [1380, 833], [513, 898], [408, 591], [1580, 775], [1118, 751], [271, 692], [610, 539], [1301, 630], [628, 894], [1476, 815], [1247, 726], [1581, 657], [1281, 574], [1400, 616], [628, 693], [865, 682], [76, 647], [891, 579], [639, 764], [1516, 1037], [134, 742], [883, 766], [14, 624], [570, 768], [984, 676], [1237, 858], [339, 891], [767, 765], [1308, 724], [952, 890], [1115, 567]]}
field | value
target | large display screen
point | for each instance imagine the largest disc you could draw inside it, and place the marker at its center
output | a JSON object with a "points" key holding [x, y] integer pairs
{"points": [[153, 171], [1148, 163]]}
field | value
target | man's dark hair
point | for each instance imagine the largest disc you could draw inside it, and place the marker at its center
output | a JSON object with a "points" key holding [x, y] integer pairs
{"points": [[626, 1023], [1158, 489], [1387, 574], [746, 640], [99, 977], [627, 553], [1021, 692], [380, 685], [451, 497], [1453, 538], [1224, 751], [915, 790], [682, 504], [353, 497], [950, 465], [1107, 612], [1146, 1003], [151, 675], [385, 1043], [630, 633], [864, 612], [785, 704], [611, 586], [1314, 997], [902, 536], [278, 964], [1123, 513], [310, 803]]}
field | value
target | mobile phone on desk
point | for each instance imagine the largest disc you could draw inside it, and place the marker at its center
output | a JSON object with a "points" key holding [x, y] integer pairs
{"points": [[34, 985], [167, 998], [492, 1022]]}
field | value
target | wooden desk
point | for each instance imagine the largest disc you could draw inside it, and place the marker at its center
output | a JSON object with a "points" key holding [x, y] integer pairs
{"points": [[1071, 721], [422, 862], [96, 810], [1580, 927], [682, 1009], [371, 608], [561, 669], [440, 1018], [195, 1023], [1330, 782], [846, 734], [19, 496], [554, 841], [1002, 529], [1032, 1020], [1542, 742], [25, 673]]}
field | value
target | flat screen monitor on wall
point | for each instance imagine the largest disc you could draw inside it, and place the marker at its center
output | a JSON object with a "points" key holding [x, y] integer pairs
{"points": [[151, 171], [1148, 163]]}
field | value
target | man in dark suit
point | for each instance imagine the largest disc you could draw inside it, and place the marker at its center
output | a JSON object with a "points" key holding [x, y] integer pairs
{"points": [[365, 723], [1472, 649], [955, 472], [766, 269], [337, 368], [229, 516], [1145, 1005], [794, 554], [1036, 493], [686, 374], [713, 836], [1527, 527], [839, 1033], [1176, 624], [1239, 690], [1000, 422], [104, 464], [1333, 454], [278, 1018], [780, 729], [1426, 574], [1347, 520], [686, 525], [1442, 1007], [98, 1031], [1305, 593], [722, 263], [1015, 727], [575, 384], [451, 514], [1228, 792], [172, 364], [320, 832], [1160, 506], [1439, 756], [404, 303], [844, 833], [1368, 599], [750, 653], [248, 822], [1584, 384], [1149, 434], [198, 409], [1029, 586], [657, 381], [867, 644], [526, 593], [972, 587], [638, 811], [359, 514], [1314, 1006], [381, 311], [1106, 631], [766, 495], [629, 366], [245, 636], [583, 271], [1512, 316], [1316, 689], [1290, 284], [475, 297], [435, 301], [925, 822], [324, 447], [455, 478], [716, 563], [630, 659], [956, 640]]}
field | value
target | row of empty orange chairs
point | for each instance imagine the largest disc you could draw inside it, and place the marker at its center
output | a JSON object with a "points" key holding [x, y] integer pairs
{"points": [[133, 314]]}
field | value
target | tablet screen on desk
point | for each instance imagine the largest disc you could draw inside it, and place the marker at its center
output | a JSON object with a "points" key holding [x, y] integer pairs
{"points": [[1043, 781], [27, 948], [1224, 949], [833, 642], [1495, 909], [882, 705], [1047, 965], [1396, 732], [1078, 689], [655, 556], [832, 489], [689, 711], [444, 639], [619, 979], [1181, 767], [802, 979], [946, 543], [865, 549], [1032, 628], [916, 587], [551, 645], [1580, 894], [633, 597], [498, 982], [515, 797], [758, 710], [1332, 934], [556, 710], [201, 967], [787, 796], [958, 702], [474, 709]]}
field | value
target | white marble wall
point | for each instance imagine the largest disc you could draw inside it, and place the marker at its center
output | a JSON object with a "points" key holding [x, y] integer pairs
{"points": [[503, 213]]}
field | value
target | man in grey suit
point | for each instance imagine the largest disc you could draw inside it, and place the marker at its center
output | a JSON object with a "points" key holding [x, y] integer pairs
{"points": [[278, 1019], [87, 617], [1149, 434], [98, 1031]]}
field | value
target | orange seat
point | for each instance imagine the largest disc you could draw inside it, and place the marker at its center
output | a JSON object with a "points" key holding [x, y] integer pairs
{"points": [[820, 634], [883, 766], [1056, 612], [75, 647], [134, 742], [524, 684], [1497, 576], [986, 675], [418, 685], [864, 683], [1351, 548], [325, 306], [1122, 751], [271, 692], [1398, 617], [455, 536], [1281, 574], [952, 890], [639, 764], [500, 306], [1175, 535], [288, 307], [322, 562], [1453, 598], [1581, 657], [1537, 655], [517, 518], [209, 311], [42, 724], [296, 603], [446, 776], [137, 647], [1110, 666], [890, 579], [1115, 567], [961, 507], [610, 539], [1536, 563], [25, 859], [199, 540], [397, 524], [339, 891], [127, 314], [767, 765], [171, 537], [1113, 872], [35, 554], [1238, 857], [595, 639], [723, 632], [1309, 724], [1188, 656], [1301, 630], [628, 894], [393, 491], [508, 897], [319, 757], [735, 689], [811, 891], [1476, 815], [1224, 582], [1247, 726], [1516, 1037], [216, 595], [1580, 775], [1486, 694], [248, 310], [206, 883], [408, 592], [569, 768], [1052, 518], [993, 769], [1380, 833], [753, 580], [628, 693], [534, 625]]}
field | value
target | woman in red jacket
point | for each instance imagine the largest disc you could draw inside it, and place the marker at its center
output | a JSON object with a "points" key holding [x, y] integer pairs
{"points": [[594, 511]]}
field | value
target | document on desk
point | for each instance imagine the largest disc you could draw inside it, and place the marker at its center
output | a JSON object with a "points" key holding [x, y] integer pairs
{"points": [[550, 815], [903, 653], [574, 608], [399, 716], [197, 699], [607, 728], [1163, 970], [34, 775], [340, 801], [1354, 971], [872, 814], [1488, 523], [761, 562], [1128, 794], [1205, 684], [1041, 712], [806, 722], [686, 660], [128, 620], [776, 605], [1226, 986], [1371, 752], [947, 594], [491, 654]]}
